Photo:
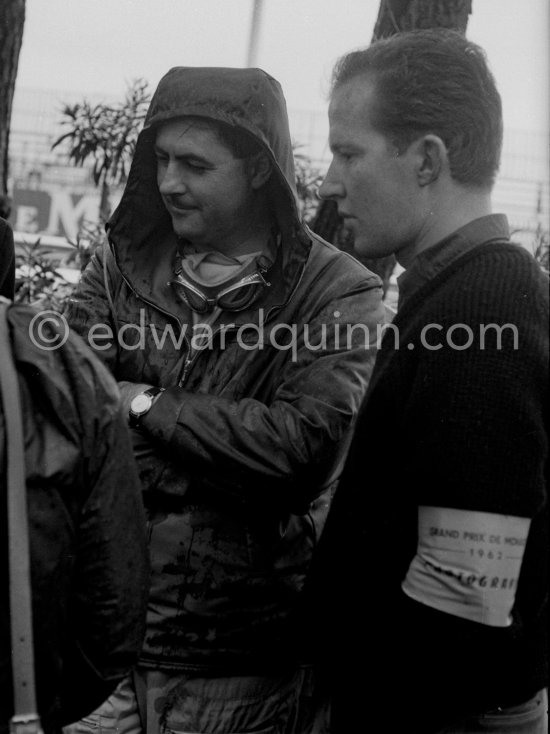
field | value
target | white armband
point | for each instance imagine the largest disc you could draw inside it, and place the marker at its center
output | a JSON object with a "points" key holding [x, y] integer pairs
{"points": [[468, 563]]}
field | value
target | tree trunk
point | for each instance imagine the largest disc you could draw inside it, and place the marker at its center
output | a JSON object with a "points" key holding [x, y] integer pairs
{"points": [[407, 15], [105, 201], [393, 16], [12, 21]]}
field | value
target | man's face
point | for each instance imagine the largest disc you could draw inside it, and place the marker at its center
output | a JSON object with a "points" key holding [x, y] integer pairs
{"points": [[375, 188], [206, 190]]}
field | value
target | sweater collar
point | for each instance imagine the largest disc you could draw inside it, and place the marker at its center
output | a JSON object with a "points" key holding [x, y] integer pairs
{"points": [[434, 259]]}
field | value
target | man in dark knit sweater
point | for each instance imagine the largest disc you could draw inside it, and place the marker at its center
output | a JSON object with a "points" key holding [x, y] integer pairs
{"points": [[431, 575]]}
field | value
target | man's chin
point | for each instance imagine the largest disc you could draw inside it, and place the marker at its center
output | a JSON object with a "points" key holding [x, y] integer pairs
{"points": [[183, 230], [365, 247], [368, 246]]}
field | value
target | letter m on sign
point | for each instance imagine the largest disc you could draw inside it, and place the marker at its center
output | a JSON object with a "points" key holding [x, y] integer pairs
{"points": [[67, 212]]}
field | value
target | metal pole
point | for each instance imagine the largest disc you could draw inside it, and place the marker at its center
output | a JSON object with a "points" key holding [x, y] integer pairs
{"points": [[257, 8]]}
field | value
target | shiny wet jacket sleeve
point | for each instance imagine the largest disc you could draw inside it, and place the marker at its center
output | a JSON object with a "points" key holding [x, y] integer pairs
{"points": [[293, 440]]}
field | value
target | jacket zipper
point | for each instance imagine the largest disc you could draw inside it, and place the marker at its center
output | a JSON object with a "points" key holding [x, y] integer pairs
{"points": [[188, 360], [186, 365]]}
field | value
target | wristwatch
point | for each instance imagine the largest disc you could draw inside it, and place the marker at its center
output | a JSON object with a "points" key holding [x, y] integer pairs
{"points": [[141, 405]]}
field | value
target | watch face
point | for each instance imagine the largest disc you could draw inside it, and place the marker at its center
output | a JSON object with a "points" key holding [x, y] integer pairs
{"points": [[140, 404]]}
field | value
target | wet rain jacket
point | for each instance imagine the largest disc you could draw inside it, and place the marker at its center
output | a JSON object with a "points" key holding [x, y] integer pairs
{"points": [[86, 525], [239, 455]]}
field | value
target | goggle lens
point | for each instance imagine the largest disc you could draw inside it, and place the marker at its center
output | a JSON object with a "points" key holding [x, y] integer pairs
{"points": [[192, 298], [240, 297]]}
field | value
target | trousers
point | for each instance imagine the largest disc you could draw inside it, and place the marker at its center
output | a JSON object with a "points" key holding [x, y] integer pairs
{"points": [[161, 702], [530, 717]]}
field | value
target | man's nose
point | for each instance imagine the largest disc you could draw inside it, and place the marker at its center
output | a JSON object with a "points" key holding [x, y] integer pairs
{"points": [[332, 187], [171, 180]]}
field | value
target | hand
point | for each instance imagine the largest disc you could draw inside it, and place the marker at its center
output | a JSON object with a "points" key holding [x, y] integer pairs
{"points": [[128, 391]]}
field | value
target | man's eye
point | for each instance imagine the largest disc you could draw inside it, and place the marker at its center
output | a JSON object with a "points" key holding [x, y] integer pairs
{"points": [[197, 167]]}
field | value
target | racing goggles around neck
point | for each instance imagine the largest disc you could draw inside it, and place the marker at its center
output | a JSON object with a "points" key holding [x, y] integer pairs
{"points": [[236, 297]]}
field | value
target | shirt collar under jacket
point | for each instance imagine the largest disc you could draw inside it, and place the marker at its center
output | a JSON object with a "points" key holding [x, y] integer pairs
{"points": [[431, 261]]}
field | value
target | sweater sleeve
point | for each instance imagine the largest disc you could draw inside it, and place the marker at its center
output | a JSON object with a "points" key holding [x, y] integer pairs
{"points": [[475, 413], [477, 455]]}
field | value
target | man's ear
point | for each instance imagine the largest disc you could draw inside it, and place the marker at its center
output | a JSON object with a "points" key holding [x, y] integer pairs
{"points": [[433, 159], [259, 169]]}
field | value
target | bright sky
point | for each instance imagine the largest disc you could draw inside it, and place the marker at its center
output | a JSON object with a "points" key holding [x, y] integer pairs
{"points": [[96, 47]]}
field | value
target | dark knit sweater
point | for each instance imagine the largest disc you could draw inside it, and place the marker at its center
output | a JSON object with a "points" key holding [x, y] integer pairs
{"points": [[451, 428]]}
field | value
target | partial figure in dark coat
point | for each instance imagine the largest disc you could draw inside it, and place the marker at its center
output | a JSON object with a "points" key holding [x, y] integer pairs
{"points": [[88, 553], [7, 260], [431, 581]]}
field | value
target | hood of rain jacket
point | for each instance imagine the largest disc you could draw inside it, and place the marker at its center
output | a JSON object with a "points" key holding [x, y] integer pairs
{"points": [[247, 99]]}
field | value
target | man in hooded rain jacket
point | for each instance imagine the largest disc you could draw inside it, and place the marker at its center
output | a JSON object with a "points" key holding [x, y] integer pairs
{"points": [[243, 345]]}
